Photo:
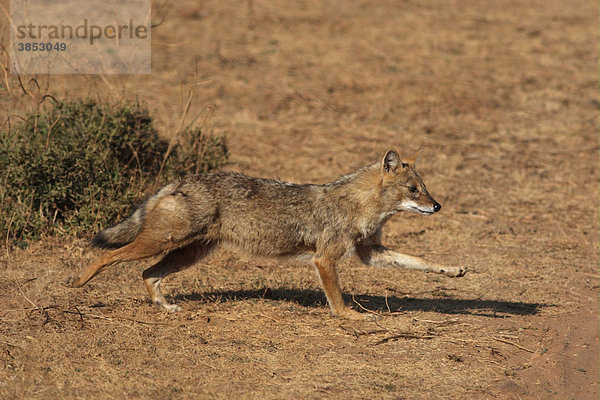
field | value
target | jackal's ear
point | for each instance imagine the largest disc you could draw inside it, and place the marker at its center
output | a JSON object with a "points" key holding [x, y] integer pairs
{"points": [[391, 162], [412, 159]]}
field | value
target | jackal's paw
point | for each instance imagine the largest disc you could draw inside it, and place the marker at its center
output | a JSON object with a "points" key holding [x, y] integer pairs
{"points": [[169, 307], [73, 281], [349, 313], [454, 272]]}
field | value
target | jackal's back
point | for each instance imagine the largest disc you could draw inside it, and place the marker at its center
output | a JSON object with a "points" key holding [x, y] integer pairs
{"points": [[259, 215]]}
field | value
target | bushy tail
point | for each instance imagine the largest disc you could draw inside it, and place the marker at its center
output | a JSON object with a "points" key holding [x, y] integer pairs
{"points": [[127, 230], [121, 234]]}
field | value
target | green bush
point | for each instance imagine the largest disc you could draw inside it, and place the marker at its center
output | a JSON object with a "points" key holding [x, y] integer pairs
{"points": [[82, 165]]}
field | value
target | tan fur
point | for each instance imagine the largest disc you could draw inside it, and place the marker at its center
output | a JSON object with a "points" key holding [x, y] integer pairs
{"points": [[186, 220]]}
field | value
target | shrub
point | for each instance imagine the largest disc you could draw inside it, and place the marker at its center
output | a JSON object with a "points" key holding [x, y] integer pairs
{"points": [[82, 165]]}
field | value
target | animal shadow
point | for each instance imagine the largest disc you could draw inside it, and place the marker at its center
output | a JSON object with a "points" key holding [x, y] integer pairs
{"points": [[316, 299]]}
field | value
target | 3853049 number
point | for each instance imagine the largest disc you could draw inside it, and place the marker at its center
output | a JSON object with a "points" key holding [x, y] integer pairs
{"points": [[41, 46]]}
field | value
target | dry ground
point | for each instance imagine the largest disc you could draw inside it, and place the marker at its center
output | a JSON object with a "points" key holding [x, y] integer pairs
{"points": [[502, 97]]}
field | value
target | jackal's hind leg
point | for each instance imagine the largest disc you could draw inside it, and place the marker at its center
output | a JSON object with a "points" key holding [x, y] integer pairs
{"points": [[138, 249], [164, 229], [174, 261]]}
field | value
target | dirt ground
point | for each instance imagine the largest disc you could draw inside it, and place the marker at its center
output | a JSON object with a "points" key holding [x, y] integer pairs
{"points": [[502, 96]]}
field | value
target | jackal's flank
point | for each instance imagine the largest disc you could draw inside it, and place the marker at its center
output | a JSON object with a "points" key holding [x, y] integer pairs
{"points": [[186, 220]]}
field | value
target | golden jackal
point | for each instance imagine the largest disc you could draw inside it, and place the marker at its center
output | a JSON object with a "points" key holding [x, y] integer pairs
{"points": [[323, 223]]}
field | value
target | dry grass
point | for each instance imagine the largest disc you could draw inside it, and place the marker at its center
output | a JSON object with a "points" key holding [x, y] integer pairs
{"points": [[503, 98]]}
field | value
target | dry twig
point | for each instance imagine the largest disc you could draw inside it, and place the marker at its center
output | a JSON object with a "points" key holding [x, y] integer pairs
{"points": [[513, 344], [403, 336]]}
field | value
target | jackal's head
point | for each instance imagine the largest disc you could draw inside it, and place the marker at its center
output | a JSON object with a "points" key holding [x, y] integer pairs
{"points": [[402, 186]]}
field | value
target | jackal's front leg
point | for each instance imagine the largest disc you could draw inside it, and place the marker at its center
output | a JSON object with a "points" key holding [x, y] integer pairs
{"points": [[381, 256], [325, 266]]}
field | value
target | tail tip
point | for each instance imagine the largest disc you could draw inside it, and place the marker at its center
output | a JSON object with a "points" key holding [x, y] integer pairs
{"points": [[102, 241]]}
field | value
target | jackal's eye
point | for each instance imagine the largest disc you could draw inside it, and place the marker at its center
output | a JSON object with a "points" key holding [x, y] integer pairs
{"points": [[413, 189]]}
